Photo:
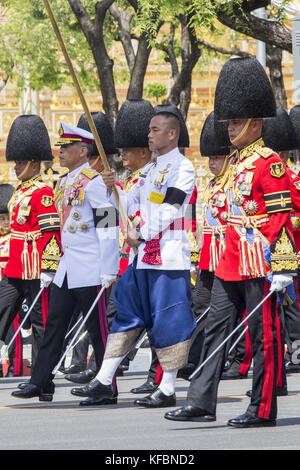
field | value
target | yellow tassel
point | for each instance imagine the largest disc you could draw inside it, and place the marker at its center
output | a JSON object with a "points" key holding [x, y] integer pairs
{"points": [[258, 255], [222, 244], [213, 261], [244, 267], [26, 274], [35, 261]]}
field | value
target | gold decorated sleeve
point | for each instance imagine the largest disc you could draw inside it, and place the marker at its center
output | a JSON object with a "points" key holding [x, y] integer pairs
{"points": [[51, 255]]}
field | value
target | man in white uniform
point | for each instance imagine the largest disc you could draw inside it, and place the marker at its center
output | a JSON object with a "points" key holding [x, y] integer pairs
{"points": [[154, 291], [90, 245]]}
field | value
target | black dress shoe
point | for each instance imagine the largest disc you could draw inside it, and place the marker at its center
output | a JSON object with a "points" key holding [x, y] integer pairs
{"points": [[247, 421], [190, 413], [82, 377], [232, 373], [292, 368], [31, 391], [157, 400], [147, 387], [94, 401], [74, 369], [23, 384], [94, 389]]}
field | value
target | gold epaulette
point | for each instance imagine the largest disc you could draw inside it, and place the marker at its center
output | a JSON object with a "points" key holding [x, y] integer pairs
{"points": [[89, 173], [264, 152]]}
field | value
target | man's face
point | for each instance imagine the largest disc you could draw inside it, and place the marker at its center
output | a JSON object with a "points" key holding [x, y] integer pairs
{"points": [[31, 170], [159, 134], [235, 127], [4, 223], [216, 164], [132, 158], [70, 155]]}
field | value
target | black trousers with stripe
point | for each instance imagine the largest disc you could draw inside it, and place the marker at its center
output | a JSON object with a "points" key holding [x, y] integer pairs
{"points": [[228, 302], [13, 291], [62, 305]]}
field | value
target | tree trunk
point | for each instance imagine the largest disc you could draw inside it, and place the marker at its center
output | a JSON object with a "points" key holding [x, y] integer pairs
{"points": [[272, 32], [274, 63], [93, 31]]}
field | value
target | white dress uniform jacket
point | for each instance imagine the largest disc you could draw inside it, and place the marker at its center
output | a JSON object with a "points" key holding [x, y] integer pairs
{"points": [[162, 194], [89, 233]]}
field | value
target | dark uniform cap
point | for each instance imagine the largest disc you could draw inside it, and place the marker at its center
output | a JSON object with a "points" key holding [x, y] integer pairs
{"points": [[28, 139], [132, 125], [6, 192], [104, 129], [184, 140], [295, 118], [243, 91], [210, 145], [279, 133]]}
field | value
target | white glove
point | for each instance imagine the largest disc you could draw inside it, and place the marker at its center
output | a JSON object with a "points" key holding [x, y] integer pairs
{"points": [[280, 281], [46, 279], [107, 279]]}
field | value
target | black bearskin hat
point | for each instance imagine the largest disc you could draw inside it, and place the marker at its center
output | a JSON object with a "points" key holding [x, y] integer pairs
{"points": [[104, 130], [132, 125], [28, 139], [210, 144], [184, 140], [295, 118], [279, 133], [243, 91], [6, 192]]}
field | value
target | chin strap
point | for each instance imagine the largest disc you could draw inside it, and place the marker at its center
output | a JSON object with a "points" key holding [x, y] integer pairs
{"points": [[242, 133], [95, 162], [24, 171]]}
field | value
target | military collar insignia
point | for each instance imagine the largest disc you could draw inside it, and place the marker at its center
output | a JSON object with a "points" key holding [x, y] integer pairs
{"points": [[250, 149], [28, 183]]}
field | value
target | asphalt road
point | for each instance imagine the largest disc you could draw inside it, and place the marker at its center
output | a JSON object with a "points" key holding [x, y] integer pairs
{"points": [[63, 425]]}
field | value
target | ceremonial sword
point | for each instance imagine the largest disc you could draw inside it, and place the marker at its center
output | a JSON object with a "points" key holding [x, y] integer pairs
{"points": [[22, 323], [78, 331], [229, 336]]}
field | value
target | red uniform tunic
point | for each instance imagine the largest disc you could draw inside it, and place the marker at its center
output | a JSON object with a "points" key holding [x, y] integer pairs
{"points": [[35, 231], [4, 252], [259, 237], [214, 225]]}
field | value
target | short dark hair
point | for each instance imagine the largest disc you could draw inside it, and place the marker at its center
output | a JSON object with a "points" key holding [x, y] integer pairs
{"points": [[88, 146]]}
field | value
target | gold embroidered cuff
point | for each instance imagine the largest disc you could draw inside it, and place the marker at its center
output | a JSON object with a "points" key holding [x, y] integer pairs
{"points": [[284, 254], [118, 344], [194, 257], [175, 356], [51, 255]]}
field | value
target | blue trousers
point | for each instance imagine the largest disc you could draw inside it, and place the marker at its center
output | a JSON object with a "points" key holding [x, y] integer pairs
{"points": [[154, 299]]}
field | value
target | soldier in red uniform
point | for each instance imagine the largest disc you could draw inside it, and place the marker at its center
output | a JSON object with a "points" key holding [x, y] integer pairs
{"points": [[279, 134], [34, 249], [259, 255]]}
